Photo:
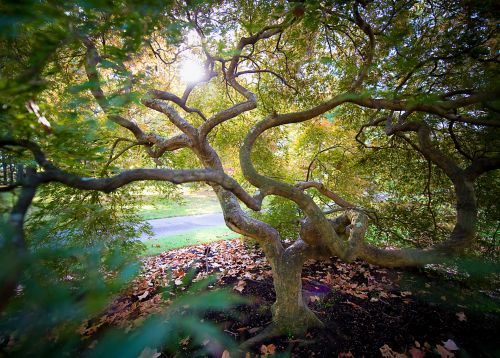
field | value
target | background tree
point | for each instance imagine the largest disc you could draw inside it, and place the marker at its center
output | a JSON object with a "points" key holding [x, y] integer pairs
{"points": [[395, 105]]}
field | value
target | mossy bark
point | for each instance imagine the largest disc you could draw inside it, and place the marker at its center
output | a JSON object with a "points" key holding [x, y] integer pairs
{"points": [[291, 315]]}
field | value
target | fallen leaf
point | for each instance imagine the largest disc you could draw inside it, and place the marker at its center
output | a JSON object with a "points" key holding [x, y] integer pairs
{"points": [[240, 286], [184, 342], [179, 273], [345, 355], [450, 345], [313, 299], [416, 353], [143, 296], [353, 305], [360, 295], [149, 353], [387, 352], [461, 317], [443, 352], [270, 349], [329, 279]]}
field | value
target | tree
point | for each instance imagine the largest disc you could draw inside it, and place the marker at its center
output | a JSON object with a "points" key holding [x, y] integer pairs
{"points": [[414, 83]]}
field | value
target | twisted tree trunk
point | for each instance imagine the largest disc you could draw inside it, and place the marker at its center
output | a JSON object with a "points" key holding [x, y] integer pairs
{"points": [[290, 311]]}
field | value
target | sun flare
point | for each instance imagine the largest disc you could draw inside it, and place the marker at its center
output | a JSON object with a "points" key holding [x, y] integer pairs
{"points": [[192, 71]]}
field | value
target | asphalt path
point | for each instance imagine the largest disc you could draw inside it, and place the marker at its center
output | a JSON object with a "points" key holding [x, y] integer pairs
{"points": [[181, 224]]}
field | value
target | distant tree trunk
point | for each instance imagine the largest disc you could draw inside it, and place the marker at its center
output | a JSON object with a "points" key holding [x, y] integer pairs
{"points": [[11, 173], [4, 169], [19, 172]]}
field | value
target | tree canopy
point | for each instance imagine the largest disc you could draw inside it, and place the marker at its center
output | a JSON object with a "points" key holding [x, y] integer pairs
{"points": [[371, 126]]}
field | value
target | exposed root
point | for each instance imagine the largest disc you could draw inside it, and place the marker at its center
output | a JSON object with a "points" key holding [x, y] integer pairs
{"points": [[274, 330], [269, 332]]}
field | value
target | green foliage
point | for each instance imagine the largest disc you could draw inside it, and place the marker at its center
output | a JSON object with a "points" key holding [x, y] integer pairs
{"points": [[283, 215], [488, 190], [84, 219], [424, 49], [81, 246], [44, 319]]}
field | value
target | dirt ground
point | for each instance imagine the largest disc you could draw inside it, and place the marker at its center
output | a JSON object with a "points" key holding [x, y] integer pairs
{"points": [[368, 311]]}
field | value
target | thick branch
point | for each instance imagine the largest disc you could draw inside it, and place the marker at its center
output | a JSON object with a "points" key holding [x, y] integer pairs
{"points": [[326, 192], [172, 115], [181, 102], [227, 114], [427, 148], [366, 28], [91, 61], [270, 186], [16, 240], [480, 166], [170, 144], [52, 173], [440, 108], [170, 175]]}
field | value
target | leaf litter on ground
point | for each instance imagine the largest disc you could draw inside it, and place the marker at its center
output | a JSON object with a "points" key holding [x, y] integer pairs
{"points": [[235, 264]]}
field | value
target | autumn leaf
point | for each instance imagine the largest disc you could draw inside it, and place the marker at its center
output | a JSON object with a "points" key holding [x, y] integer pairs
{"points": [[225, 354], [345, 355], [179, 273], [443, 352], [240, 286], [352, 304], [416, 353], [149, 353], [184, 342], [461, 316], [450, 345], [143, 296], [313, 299], [329, 279], [270, 349], [387, 352]]}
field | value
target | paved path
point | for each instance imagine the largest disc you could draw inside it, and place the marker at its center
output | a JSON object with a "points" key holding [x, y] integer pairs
{"points": [[181, 224]]}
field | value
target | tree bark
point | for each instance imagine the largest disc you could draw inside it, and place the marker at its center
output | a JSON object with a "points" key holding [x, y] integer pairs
{"points": [[290, 311], [4, 169]]}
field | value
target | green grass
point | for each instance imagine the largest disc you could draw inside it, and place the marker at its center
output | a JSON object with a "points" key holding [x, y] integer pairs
{"points": [[190, 238], [192, 204]]}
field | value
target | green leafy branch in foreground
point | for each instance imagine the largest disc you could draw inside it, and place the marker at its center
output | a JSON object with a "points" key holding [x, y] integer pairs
{"points": [[47, 313]]}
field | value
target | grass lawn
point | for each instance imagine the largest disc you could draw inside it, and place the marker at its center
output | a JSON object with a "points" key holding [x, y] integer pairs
{"points": [[201, 202], [194, 237]]}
